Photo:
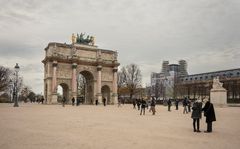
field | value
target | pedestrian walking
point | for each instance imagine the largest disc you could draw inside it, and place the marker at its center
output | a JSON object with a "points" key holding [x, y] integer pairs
{"points": [[42, 99], [138, 103], [169, 102], [104, 101], [119, 102], [143, 106], [134, 103], [96, 102], [63, 101], [189, 104], [185, 105], [153, 104], [176, 103], [78, 101], [196, 114], [73, 101], [209, 113]]}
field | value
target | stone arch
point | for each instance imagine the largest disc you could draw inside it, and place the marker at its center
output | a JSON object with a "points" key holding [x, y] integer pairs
{"points": [[105, 90], [87, 96], [64, 62]]}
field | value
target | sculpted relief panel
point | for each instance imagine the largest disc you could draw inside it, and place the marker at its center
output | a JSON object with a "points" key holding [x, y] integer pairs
{"points": [[107, 56], [64, 70], [87, 54], [107, 74]]}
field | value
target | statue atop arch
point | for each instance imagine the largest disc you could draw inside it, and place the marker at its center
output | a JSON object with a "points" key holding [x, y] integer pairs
{"points": [[89, 40]]}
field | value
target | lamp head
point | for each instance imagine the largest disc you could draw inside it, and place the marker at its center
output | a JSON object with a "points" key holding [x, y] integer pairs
{"points": [[17, 68]]}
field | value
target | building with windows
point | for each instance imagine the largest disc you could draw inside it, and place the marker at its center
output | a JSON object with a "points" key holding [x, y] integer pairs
{"points": [[163, 83], [174, 82], [199, 85]]}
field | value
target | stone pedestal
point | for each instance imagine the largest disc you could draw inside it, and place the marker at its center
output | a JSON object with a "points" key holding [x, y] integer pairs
{"points": [[54, 99], [99, 98], [218, 94], [115, 98], [218, 97]]}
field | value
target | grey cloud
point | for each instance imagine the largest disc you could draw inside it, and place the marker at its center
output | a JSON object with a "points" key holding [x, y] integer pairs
{"points": [[33, 68], [11, 49], [144, 32]]}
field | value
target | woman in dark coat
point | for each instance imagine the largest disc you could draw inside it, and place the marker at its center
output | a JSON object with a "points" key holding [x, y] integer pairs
{"points": [[196, 114], [209, 114]]}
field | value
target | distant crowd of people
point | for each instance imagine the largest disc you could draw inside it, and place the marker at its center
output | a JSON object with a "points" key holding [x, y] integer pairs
{"points": [[38, 100], [193, 106]]}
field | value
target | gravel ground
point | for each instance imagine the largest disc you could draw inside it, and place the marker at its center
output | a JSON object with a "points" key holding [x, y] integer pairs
{"points": [[35, 126]]}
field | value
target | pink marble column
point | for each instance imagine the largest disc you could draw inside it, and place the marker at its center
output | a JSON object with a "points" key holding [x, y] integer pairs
{"points": [[115, 100], [54, 77], [74, 80], [99, 83]]}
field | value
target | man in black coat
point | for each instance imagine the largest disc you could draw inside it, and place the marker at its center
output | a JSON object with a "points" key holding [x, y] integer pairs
{"points": [[209, 114]]}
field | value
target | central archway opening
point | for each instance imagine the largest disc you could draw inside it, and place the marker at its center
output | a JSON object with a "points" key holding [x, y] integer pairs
{"points": [[85, 87]]}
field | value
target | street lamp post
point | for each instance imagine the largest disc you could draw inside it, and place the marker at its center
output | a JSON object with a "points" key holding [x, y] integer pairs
{"points": [[11, 90], [16, 68]]}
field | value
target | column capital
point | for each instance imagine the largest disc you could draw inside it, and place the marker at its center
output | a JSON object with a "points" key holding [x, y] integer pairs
{"points": [[99, 68], [115, 69], [74, 66], [54, 64]]}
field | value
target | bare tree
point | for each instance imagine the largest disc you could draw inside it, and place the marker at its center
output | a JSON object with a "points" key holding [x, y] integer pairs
{"points": [[82, 86], [121, 82], [25, 91], [133, 78], [4, 78]]}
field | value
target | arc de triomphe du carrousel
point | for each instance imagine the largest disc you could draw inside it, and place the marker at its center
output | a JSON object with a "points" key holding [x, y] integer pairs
{"points": [[63, 63]]}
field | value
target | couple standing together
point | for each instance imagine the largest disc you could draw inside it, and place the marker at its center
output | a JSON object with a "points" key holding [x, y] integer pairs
{"points": [[209, 113]]}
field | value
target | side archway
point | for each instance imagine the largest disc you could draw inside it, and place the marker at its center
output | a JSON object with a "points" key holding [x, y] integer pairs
{"points": [[62, 91], [106, 93]]}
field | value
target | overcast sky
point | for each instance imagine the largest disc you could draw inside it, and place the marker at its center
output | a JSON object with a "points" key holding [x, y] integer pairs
{"points": [[206, 33]]}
